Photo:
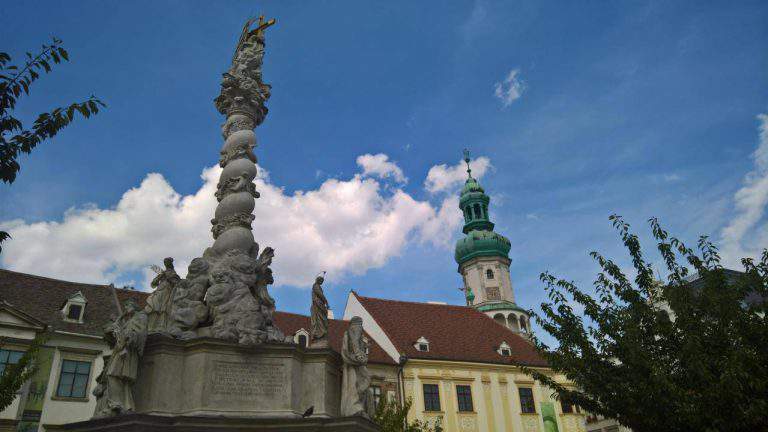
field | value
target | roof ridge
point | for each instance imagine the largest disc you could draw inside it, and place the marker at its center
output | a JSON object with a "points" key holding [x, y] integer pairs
{"points": [[53, 279], [307, 316], [415, 302]]}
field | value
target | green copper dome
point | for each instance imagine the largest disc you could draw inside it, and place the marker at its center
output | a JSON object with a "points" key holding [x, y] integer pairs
{"points": [[480, 238], [481, 243]]}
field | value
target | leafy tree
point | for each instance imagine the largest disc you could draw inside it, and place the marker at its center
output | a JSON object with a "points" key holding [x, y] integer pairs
{"points": [[392, 417], [15, 139], [15, 375], [702, 367]]}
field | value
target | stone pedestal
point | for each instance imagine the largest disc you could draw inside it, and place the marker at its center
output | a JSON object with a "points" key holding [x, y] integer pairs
{"points": [[145, 423], [211, 377]]}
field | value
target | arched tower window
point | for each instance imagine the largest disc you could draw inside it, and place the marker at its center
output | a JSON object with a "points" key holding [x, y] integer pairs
{"points": [[478, 212], [523, 325], [512, 318], [489, 274], [499, 318]]}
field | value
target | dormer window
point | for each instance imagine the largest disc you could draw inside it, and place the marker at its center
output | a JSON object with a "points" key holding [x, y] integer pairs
{"points": [[504, 349], [74, 308], [74, 312], [489, 274], [301, 337], [422, 344]]}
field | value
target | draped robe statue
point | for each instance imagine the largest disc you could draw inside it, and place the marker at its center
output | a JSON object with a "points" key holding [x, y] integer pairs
{"points": [[160, 302], [127, 336], [319, 314], [355, 380]]}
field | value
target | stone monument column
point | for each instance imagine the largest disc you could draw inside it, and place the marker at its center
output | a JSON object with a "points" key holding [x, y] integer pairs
{"points": [[242, 101]]}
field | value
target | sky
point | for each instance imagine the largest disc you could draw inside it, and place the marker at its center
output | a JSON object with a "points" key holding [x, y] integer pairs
{"points": [[572, 111]]}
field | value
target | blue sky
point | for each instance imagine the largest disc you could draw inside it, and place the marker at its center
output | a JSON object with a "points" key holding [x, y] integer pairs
{"points": [[637, 108]]}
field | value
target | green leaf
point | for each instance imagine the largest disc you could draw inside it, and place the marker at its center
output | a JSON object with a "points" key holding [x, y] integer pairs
{"points": [[63, 53]]}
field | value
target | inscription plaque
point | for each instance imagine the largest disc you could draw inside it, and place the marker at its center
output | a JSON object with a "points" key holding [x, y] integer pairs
{"points": [[243, 381]]}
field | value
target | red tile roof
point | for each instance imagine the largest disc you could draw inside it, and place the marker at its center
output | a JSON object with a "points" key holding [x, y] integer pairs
{"points": [[290, 323], [457, 333], [43, 299]]}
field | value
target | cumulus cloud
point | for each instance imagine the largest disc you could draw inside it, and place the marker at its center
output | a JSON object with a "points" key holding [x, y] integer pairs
{"points": [[443, 178], [747, 233], [343, 226], [510, 89], [380, 166]]}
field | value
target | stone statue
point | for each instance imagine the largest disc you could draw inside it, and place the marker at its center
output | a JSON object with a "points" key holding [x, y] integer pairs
{"points": [[126, 336], [241, 308], [355, 380], [319, 314], [189, 311], [160, 302]]}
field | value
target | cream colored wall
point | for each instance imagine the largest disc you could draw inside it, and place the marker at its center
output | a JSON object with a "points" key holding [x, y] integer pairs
{"points": [[75, 347], [14, 328], [473, 272], [494, 397], [59, 411]]}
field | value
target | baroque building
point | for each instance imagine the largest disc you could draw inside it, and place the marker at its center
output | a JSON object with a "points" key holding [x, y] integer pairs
{"points": [[483, 259]]}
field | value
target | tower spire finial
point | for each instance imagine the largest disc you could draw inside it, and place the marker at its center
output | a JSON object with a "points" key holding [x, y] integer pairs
{"points": [[466, 159]]}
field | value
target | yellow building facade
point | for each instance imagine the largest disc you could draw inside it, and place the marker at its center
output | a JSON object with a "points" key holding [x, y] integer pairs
{"points": [[495, 399]]}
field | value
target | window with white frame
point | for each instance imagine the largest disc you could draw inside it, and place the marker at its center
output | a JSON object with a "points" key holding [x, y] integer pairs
{"points": [[73, 379], [9, 357], [301, 337], [74, 308], [422, 344], [504, 349]]}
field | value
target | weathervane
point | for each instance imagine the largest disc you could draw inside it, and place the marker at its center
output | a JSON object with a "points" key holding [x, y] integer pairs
{"points": [[466, 159]]}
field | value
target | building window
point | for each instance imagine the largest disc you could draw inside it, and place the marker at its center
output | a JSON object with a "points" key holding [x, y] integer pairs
{"points": [[74, 311], [73, 381], [74, 308], [422, 344], [523, 325], [489, 274], [431, 397], [376, 393], [566, 407], [302, 340], [9, 357], [526, 400], [464, 395], [504, 349]]}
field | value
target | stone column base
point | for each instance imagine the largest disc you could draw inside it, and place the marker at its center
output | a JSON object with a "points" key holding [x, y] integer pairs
{"points": [[146, 422]]}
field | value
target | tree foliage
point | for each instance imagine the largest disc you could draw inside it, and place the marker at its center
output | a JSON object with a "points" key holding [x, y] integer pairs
{"points": [[702, 367], [392, 417], [15, 375], [16, 82]]}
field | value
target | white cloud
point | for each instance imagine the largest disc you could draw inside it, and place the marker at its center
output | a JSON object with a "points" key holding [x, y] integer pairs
{"points": [[378, 165], [443, 178], [510, 89], [747, 233], [343, 226]]}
